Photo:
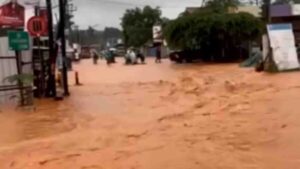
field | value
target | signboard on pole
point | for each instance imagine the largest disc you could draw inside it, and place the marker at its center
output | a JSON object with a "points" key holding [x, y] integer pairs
{"points": [[282, 41], [12, 15], [281, 35], [157, 34], [37, 26], [18, 40]]}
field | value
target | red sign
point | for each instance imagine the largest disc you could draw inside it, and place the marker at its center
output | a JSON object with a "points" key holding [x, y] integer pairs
{"points": [[44, 15], [12, 14], [37, 26]]}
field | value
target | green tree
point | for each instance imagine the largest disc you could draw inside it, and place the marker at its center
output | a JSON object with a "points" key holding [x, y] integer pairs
{"points": [[69, 21], [137, 25], [215, 34]]}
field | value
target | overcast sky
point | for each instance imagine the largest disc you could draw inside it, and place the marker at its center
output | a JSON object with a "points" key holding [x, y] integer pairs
{"points": [[108, 12]]}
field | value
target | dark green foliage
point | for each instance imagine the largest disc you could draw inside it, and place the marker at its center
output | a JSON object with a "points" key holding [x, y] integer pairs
{"points": [[214, 33]]}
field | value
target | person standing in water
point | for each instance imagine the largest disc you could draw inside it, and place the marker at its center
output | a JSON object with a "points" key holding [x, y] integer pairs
{"points": [[108, 57], [158, 54], [95, 56], [141, 56]]}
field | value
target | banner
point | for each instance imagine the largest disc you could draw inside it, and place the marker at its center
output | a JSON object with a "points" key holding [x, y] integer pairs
{"points": [[157, 34], [12, 14], [282, 41]]}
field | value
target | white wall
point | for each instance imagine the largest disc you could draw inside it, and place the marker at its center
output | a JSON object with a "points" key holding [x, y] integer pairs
{"points": [[8, 67]]}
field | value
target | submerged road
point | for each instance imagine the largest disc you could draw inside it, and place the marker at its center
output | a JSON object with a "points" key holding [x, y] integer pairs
{"points": [[159, 116]]}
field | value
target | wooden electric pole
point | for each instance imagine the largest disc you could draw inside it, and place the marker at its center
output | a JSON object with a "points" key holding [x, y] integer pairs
{"points": [[268, 10], [62, 12], [51, 86]]}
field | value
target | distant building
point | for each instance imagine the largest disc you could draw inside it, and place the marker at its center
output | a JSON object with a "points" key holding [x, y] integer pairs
{"points": [[254, 10]]}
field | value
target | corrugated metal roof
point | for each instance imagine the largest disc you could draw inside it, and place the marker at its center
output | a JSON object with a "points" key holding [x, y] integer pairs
{"points": [[281, 10], [285, 10]]}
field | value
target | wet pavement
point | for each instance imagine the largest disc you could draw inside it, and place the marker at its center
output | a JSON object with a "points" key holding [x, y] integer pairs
{"points": [[159, 116]]}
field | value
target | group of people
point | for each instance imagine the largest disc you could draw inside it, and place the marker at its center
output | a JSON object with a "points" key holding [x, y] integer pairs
{"points": [[107, 54], [132, 56]]}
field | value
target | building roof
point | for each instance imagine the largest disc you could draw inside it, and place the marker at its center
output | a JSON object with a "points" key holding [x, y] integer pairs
{"points": [[285, 10]]}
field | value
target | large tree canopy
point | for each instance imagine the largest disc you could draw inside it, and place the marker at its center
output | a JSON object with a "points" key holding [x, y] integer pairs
{"points": [[137, 25], [194, 30], [215, 33]]}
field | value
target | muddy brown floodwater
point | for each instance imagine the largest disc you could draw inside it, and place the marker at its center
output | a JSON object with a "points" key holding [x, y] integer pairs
{"points": [[159, 116]]}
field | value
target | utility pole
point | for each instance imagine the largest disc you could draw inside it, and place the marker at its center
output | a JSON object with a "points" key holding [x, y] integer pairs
{"points": [[70, 8], [268, 10], [269, 64], [62, 11], [51, 89]]}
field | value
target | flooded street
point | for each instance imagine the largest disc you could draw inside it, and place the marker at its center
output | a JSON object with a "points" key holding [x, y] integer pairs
{"points": [[159, 116]]}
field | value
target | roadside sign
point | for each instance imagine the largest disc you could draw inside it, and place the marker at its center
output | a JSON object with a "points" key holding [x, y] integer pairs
{"points": [[282, 41], [157, 34], [12, 15], [37, 26], [18, 40]]}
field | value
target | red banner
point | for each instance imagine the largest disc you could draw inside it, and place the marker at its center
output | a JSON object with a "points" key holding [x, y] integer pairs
{"points": [[12, 14]]}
